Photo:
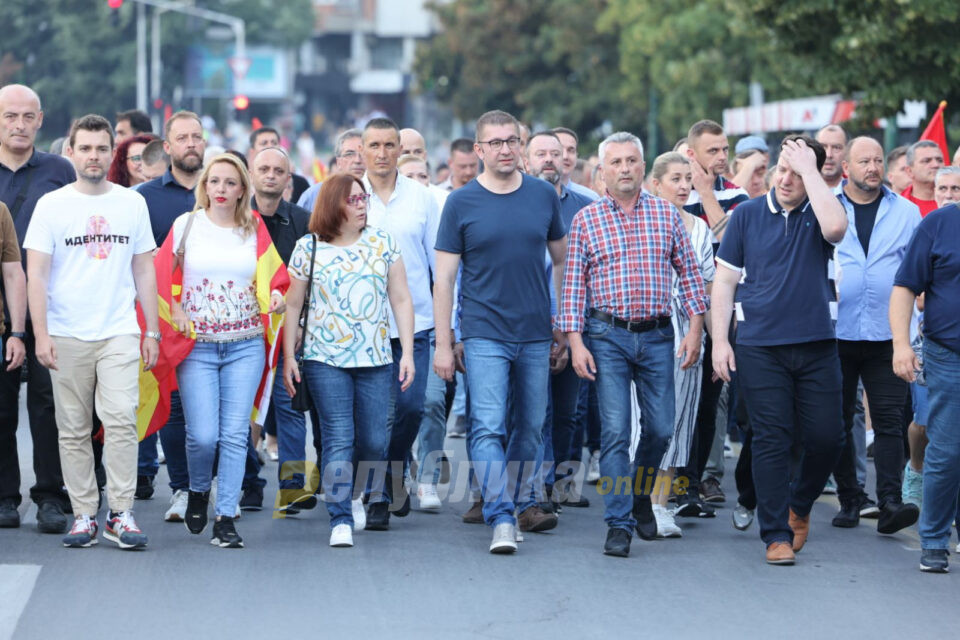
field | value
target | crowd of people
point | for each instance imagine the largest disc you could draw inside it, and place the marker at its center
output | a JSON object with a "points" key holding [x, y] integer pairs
{"points": [[585, 320]]}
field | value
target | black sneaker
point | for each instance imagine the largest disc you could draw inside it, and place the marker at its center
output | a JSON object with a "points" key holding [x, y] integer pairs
{"points": [[378, 516], [896, 516], [868, 508], [646, 521], [934, 561], [618, 543], [196, 516], [690, 506], [9, 515], [848, 516], [225, 534], [297, 502], [404, 509], [144, 488], [50, 518], [252, 499]]}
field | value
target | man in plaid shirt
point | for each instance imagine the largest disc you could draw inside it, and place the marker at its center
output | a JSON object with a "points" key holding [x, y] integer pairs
{"points": [[622, 254]]}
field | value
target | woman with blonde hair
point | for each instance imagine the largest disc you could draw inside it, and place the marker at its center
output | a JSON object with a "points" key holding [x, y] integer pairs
{"points": [[672, 180], [226, 300]]}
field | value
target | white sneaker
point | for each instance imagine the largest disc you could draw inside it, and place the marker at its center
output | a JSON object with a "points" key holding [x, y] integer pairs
{"points": [[178, 507], [504, 538], [359, 514], [593, 467], [161, 456], [341, 536], [428, 498], [666, 526]]}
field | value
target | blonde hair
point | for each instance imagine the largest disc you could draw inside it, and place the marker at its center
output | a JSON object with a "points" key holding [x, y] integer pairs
{"points": [[407, 158], [243, 215]]}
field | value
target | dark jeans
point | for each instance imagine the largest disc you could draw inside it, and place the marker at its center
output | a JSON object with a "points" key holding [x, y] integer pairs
{"points": [[43, 430], [706, 427], [871, 362], [791, 390], [562, 413], [588, 421], [403, 422], [173, 437], [148, 463], [746, 491]]}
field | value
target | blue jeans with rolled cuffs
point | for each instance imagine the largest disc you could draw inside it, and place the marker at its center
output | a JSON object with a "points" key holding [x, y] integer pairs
{"points": [[218, 382], [353, 405], [504, 378], [645, 359]]}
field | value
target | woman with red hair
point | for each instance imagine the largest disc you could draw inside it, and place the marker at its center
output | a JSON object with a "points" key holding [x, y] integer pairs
{"points": [[126, 169]]}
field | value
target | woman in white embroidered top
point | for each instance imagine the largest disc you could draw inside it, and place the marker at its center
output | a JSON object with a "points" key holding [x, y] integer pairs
{"points": [[218, 379], [347, 358]]}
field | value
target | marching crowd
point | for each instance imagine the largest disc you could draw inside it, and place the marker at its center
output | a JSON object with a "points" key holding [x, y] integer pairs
{"points": [[585, 320]]}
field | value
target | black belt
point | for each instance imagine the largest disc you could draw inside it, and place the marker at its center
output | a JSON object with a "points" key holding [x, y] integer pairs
{"points": [[636, 326]]}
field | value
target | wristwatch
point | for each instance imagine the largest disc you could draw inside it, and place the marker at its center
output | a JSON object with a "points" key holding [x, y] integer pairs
{"points": [[156, 335], [18, 334]]}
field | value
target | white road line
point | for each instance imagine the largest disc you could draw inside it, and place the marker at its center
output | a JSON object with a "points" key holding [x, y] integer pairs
{"points": [[16, 585]]}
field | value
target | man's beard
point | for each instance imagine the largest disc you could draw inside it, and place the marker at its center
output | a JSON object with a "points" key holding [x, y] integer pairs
{"points": [[553, 178], [181, 163]]}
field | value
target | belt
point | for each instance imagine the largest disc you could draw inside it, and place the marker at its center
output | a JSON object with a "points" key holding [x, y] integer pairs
{"points": [[636, 326]]}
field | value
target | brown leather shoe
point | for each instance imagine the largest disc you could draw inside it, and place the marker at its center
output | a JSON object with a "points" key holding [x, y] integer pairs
{"points": [[536, 519], [780, 553], [801, 529], [474, 514]]}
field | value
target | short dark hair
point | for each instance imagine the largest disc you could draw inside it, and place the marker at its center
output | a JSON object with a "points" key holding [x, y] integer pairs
{"points": [[702, 127], [548, 133], [90, 122], [256, 133], [818, 151], [896, 154], [494, 118], [154, 153], [180, 115], [330, 209], [242, 158], [463, 145], [382, 123], [569, 132], [139, 121]]}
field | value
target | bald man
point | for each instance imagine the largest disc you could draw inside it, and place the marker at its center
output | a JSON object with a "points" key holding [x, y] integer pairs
{"points": [[412, 142], [25, 175], [880, 225]]}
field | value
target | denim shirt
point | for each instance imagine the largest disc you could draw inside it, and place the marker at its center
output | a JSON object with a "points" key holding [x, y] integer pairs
{"points": [[866, 281]]}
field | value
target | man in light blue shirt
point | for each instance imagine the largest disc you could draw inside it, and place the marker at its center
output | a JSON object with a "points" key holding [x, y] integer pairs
{"points": [[349, 160], [881, 224]]}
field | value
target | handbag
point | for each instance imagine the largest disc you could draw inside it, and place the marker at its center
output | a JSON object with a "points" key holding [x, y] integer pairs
{"points": [[301, 399]]}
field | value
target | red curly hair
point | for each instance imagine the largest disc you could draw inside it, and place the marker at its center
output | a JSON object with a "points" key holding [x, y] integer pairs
{"points": [[118, 174]]}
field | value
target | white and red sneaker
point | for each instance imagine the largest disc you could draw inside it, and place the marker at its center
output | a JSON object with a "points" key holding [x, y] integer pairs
{"points": [[122, 529], [82, 534]]}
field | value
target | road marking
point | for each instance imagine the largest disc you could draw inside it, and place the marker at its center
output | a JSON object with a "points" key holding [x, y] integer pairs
{"points": [[16, 585]]}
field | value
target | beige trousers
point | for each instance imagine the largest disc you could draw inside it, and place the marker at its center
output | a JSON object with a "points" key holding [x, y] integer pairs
{"points": [[102, 374]]}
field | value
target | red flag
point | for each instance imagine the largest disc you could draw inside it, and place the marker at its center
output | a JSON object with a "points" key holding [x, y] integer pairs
{"points": [[936, 133]]}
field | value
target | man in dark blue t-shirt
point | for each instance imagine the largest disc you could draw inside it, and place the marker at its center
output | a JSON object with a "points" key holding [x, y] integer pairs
{"points": [[931, 266], [775, 256], [499, 227]]}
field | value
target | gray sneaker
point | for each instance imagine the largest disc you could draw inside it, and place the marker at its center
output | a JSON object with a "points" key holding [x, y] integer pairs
{"points": [[504, 538], [742, 517]]}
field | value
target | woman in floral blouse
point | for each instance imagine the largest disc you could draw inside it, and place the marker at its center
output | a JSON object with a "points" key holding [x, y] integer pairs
{"points": [[218, 380], [347, 359]]}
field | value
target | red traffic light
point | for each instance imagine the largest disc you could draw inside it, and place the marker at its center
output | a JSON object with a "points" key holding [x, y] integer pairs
{"points": [[241, 102], [114, 4]]}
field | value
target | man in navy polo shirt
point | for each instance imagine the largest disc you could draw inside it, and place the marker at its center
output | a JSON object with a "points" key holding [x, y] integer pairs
{"points": [[775, 256], [931, 266], [25, 175]]}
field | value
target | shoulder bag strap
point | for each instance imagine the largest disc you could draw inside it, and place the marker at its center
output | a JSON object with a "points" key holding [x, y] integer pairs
{"points": [[306, 301], [178, 258]]}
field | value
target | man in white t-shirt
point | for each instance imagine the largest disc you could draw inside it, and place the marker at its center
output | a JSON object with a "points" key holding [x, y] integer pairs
{"points": [[89, 257]]}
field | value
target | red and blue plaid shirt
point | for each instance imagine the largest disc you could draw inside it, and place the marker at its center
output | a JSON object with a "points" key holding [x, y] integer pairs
{"points": [[624, 261]]}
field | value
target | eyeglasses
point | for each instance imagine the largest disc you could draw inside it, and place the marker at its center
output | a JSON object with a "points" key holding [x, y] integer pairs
{"points": [[135, 158], [358, 198], [497, 144]]}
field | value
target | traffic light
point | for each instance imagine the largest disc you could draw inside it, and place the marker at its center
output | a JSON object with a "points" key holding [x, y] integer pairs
{"points": [[114, 4], [240, 102], [115, 12]]}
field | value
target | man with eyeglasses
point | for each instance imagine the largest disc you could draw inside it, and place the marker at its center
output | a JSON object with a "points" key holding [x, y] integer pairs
{"points": [[349, 160], [500, 226]]}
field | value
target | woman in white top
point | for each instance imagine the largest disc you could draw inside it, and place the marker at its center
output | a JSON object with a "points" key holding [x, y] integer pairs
{"points": [[347, 357], [218, 379], [672, 180]]}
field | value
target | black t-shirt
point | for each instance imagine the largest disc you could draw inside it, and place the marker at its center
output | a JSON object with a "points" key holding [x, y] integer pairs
{"points": [[865, 216]]}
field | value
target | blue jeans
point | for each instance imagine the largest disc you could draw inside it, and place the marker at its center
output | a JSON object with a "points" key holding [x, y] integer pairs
{"points": [[218, 383], [433, 426], [148, 463], [941, 463], [173, 437], [403, 421], [353, 405], [646, 359], [498, 374], [792, 394]]}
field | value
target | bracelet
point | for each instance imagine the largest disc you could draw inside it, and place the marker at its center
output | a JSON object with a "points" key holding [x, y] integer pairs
{"points": [[20, 335]]}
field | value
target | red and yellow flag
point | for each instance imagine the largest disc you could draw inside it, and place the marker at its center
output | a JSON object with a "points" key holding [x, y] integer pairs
{"points": [[936, 132]]}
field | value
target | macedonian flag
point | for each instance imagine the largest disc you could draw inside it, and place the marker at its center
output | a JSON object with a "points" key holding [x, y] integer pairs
{"points": [[156, 384]]}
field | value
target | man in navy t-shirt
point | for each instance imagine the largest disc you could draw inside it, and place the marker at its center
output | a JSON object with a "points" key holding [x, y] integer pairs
{"points": [[931, 266], [775, 256], [498, 227]]}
